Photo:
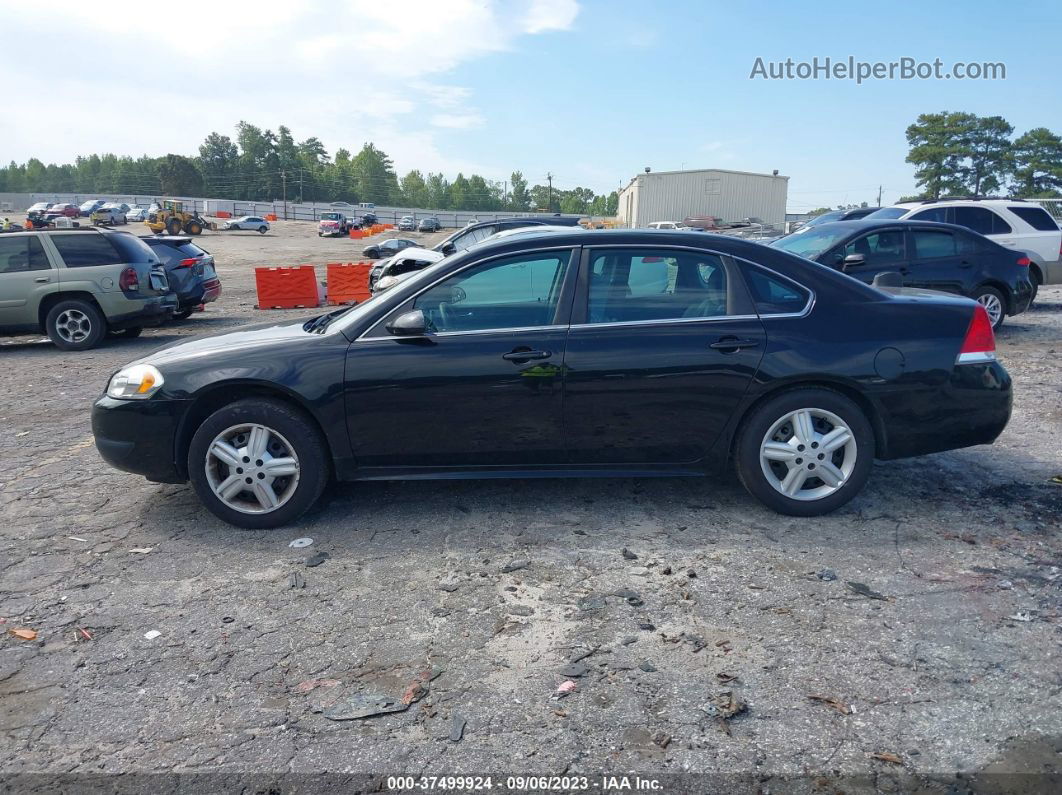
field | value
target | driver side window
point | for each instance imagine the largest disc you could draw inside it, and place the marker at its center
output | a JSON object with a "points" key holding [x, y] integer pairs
{"points": [[514, 292], [878, 248]]}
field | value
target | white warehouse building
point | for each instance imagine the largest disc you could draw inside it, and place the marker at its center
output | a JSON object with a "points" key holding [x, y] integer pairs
{"points": [[676, 195]]}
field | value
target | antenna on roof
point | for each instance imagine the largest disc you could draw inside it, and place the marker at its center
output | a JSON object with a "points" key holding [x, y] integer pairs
{"points": [[647, 169]]}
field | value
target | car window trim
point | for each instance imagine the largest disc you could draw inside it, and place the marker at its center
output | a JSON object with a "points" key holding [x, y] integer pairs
{"points": [[583, 289], [564, 292]]}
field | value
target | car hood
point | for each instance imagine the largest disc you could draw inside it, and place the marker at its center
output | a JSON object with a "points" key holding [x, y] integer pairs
{"points": [[241, 338]]}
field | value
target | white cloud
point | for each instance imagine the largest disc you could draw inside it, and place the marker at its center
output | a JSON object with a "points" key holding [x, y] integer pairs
{"points": [[343, 70]]}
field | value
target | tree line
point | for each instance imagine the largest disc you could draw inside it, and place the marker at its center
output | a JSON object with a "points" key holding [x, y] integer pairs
{"points": [[260, 165], [963, 154]]}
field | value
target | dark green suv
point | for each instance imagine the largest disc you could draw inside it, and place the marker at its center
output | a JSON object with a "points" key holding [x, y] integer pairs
{"points": [[78, 285]]}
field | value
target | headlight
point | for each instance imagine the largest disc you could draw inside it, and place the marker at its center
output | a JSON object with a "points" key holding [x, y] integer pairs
{"points": [[386, 283], [138, 382]]}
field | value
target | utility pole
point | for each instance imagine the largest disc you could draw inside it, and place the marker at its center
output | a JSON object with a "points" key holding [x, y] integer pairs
{"points": [[301, 196], [549, 201], [879, 195], [284, 192]]}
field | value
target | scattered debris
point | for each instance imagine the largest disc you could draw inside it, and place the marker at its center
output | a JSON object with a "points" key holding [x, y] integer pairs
{"points": [[726, 678], [364, 705], [227, 620], [966, 538], [1056, 479], [521, 610], [592, 602], [317, 559], [575, 669], [296, 580], [666, 570], [639, 571], [151, 634], [76, 538], [83, 634], [647, 666], [420, 686], [582, 654], [724, 645], [691, 574], [299, 543], [833, 703], [826, 575], [565, 688], [864, 590], [696, 641], [647, 627], [23, 633], [885, 756], [723, 707], [141, 550], [313, 684], [515, 565], [628, 554], [457, 728], [627, 641], [1005, 585], [662, 739], [1023, 617]]}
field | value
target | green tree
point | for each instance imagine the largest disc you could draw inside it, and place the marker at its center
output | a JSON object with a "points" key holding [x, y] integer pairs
{"points": [[519, 198], [414, 190], [178, 176], [1037, 164], [219, 163], [937, 151], [438, 192], [374, 175], [986, 149]]}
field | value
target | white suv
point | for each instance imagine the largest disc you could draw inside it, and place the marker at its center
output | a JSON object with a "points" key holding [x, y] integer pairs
{"points": [[1020, 225]]}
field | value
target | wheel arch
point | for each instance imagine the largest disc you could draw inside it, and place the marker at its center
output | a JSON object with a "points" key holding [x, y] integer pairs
{"points": [[216, 396], [873, 414], [51, 299], [1002, 289]]}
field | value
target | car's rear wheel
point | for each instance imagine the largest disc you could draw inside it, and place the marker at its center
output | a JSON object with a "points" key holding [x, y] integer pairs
{"points": [[258, 463], [75, 325], [805, 452], [993, 302]]}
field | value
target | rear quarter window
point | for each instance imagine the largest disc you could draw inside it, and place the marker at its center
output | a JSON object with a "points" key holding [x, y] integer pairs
{"points": [[84, 250], [1036, 217], [131, 248], [774, 295]]}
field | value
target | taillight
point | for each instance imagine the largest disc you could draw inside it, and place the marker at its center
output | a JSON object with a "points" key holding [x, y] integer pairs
{"points": [[1024, 261], [188, 263], [129, 280], [980, 342]]}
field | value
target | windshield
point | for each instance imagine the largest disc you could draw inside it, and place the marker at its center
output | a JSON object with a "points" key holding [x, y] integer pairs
{"points": [[825, 218], [888, 213], [813, 242], [329, 216]]}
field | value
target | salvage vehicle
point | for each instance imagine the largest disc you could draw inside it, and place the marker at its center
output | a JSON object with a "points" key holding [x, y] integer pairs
{"points": [[61, 210], [136, 213], [617, 352], [386, 248], [110, 214], [78, 285], [407, 224], [853, 214], [387, 273], [87, 207], [190, 271], [332, 224], [924, 254], [429, 224], [1021, 226], [253, 222]]}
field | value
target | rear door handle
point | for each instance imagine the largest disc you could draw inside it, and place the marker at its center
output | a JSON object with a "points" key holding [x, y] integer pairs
{"points": [[526, 356], [733, 344], [43, 279]]}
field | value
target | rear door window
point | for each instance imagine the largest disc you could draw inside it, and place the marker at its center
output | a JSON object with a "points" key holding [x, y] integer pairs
{"points": [[933, 244], [86, 249], [936, 214]]}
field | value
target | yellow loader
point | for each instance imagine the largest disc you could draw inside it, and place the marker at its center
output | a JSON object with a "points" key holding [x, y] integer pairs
{"points": [[172, 219]]}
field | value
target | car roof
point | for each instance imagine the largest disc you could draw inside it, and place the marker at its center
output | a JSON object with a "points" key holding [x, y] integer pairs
{"points": [[170, 239], [993, 200], [864, 224]]}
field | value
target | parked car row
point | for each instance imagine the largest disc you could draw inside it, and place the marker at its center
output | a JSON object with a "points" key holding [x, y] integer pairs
{"points": [[80, 285]]}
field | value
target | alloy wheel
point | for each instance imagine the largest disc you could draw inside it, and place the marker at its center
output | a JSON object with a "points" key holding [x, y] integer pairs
{"points": [[73, 325], [252, 468], [808, 454], [992, 305]]}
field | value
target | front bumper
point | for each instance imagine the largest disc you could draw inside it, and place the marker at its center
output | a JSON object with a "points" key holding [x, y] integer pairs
{"points": [[139, 436]]}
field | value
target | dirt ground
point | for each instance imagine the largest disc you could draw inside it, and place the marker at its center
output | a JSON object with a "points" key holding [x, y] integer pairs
{"points": [[910, 637]]}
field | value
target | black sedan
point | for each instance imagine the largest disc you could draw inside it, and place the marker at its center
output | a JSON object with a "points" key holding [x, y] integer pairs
{"points": [[189, 269], [929, 255], [387, 248], [624, 352]]}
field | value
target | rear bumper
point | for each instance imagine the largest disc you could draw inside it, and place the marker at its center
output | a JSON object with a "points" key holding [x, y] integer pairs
{"points": [[139, 436], [973, 408], [148, 312], [202, 293], [1021, 296]]}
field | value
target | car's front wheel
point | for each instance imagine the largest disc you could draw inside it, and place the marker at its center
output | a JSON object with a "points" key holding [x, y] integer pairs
{"points": [[75, 325], [263, 229], [805, 452], [258, 463]]}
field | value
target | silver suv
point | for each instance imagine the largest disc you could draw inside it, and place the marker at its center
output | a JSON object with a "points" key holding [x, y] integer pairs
{"points": [[78, 285]]}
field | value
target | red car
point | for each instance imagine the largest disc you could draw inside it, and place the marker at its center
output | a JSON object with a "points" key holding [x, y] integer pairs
{"points": [[69, 210]]}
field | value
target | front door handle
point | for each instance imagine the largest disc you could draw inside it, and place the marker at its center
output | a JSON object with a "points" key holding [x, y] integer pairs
{"points": [[730, 344], [526, 355]]}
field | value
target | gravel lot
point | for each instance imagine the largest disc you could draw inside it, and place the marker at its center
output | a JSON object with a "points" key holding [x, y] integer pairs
{"points": [[951, 663]]}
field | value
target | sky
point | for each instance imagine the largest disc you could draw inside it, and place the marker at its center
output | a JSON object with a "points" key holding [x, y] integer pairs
{"points": [[590, 91]]}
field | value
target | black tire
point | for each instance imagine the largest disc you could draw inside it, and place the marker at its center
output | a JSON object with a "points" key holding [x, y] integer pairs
{"points": [[984, 293], [93, 326], [194, 228], [184, 314], [263, 229], [1036, 286], [762, 419], [303, 438], [173, 227]]}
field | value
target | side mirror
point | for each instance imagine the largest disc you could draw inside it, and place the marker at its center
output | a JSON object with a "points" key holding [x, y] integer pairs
{"points": [[853, 261], [409, 324], [448, 249]]}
